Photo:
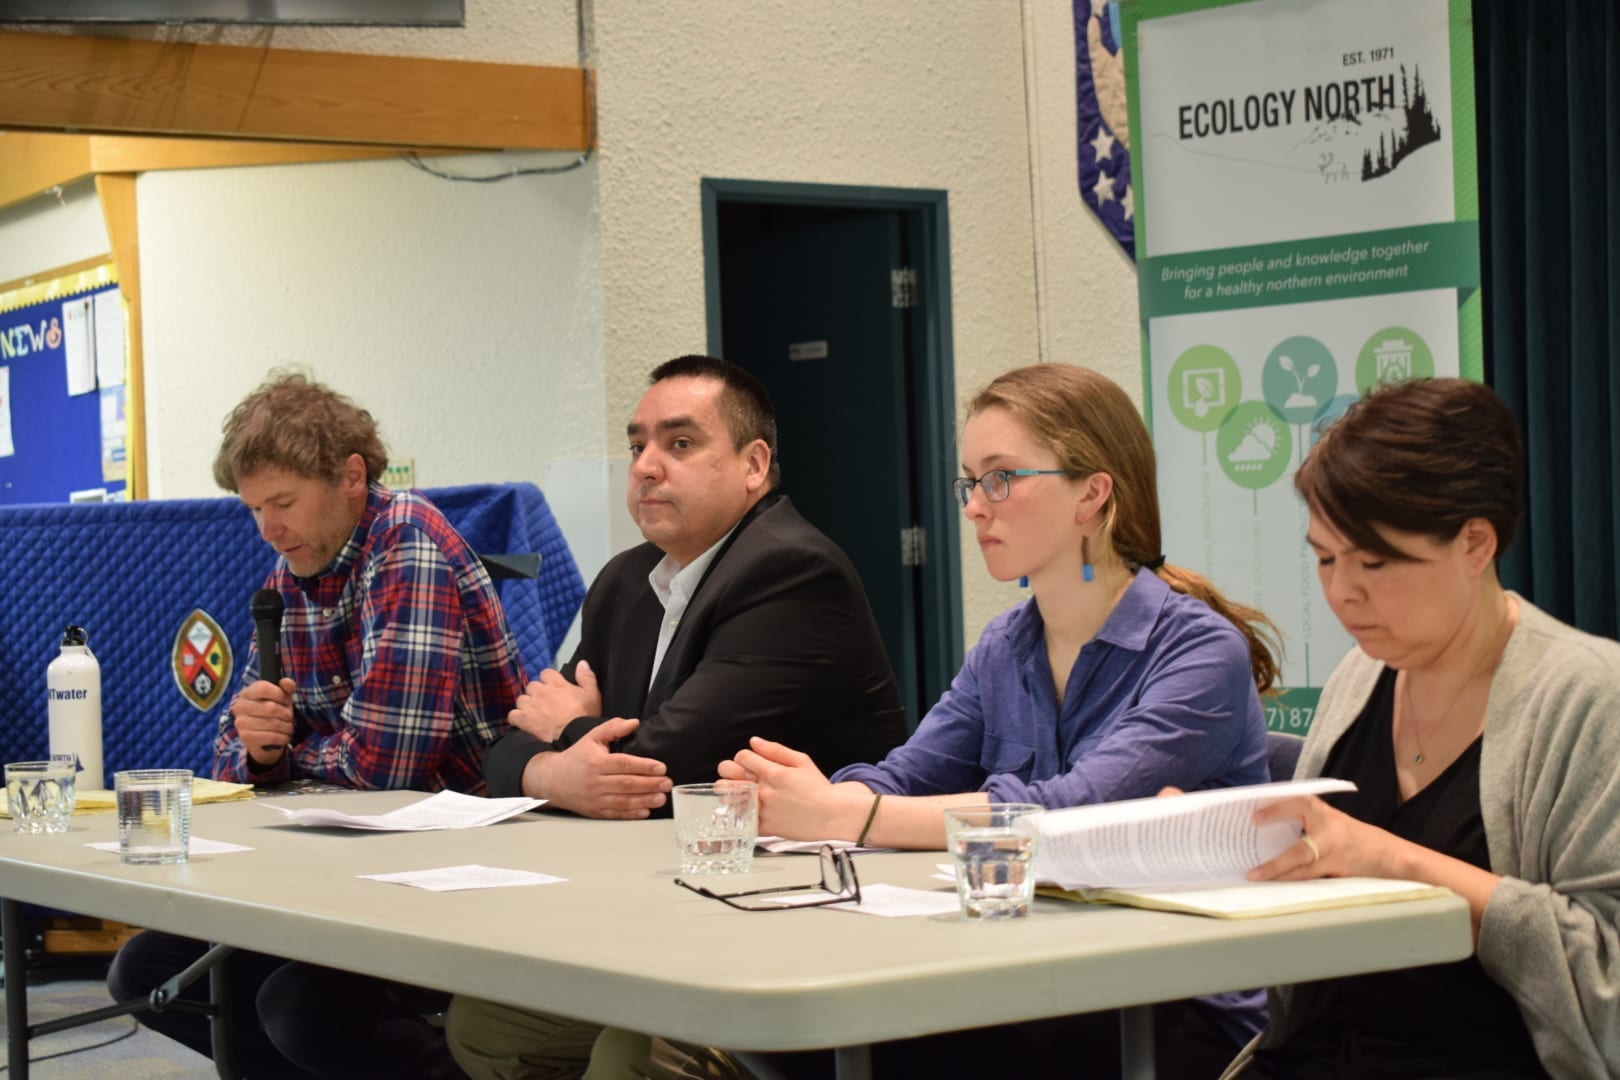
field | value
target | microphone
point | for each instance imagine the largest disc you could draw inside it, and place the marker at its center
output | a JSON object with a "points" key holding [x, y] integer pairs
{"points": [[267, 608]]}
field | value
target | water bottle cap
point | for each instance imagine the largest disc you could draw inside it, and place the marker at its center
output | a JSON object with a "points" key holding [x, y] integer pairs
{"points": [[75, 635]]}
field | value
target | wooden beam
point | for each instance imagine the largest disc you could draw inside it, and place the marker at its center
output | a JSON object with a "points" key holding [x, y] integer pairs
{"points": [[94, 84], [117, 192], [136, 153], [32, 162]]}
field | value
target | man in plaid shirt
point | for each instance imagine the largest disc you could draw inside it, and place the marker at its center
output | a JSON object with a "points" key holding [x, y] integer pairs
{"points": [[398, 670]]}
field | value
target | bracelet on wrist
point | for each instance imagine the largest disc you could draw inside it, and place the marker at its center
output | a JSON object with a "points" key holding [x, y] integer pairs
{"points": [[871, 816]]}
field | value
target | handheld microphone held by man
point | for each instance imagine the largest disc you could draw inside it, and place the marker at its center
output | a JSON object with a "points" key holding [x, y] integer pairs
{"points": [[267, 607]]}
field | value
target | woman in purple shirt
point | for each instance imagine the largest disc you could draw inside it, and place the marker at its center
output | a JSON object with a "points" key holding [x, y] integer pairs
{"points": [[1121, 675]]}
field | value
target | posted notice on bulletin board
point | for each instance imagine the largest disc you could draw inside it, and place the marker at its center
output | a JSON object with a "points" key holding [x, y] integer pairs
{"points": [[64, 432]]}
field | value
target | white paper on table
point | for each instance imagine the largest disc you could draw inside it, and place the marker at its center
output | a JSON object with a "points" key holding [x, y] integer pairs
{"points": [[947, 872], [776, 845], [471, 876], [443, 810], [194, 846], [888, 901], [895, 901], [78, 346], [7, 446]]}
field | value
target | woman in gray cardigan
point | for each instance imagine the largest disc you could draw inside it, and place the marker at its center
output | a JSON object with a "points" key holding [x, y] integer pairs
{"points": [[1483, 736]]}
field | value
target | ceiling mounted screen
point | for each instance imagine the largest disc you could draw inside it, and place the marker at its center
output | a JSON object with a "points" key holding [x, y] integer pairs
{"points": [[262, 12]]}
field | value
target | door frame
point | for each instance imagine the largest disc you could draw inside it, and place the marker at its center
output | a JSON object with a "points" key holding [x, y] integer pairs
{"points": [[926, 220]]}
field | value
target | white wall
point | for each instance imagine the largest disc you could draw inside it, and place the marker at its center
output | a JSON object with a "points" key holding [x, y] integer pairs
{"points": [[51, 231], [466, 317], [504, 331]]}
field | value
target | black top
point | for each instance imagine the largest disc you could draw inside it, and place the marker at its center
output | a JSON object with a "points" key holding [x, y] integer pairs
{"points": [[1448, 1020]]}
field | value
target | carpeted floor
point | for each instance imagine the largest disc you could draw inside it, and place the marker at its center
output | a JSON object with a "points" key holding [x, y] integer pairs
{"points": [[113, 1049]]}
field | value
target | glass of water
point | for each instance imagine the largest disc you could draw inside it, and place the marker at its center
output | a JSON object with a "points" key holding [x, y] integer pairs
{"points": [[39, 794], [717, 825], [994, 849], [154, 814], [71, 761]]}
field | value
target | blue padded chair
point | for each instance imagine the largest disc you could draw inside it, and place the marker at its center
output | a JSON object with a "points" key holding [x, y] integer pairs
{"points": [[1282, 754]]}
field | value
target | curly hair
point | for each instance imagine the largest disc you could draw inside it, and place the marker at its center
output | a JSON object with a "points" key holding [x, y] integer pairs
{"points": [[292, 422]]}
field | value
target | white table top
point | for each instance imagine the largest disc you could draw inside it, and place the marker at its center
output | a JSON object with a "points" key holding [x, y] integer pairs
{"points": [[619, 943]]}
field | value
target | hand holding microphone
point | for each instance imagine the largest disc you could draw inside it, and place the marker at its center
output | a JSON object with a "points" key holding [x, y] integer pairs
{"points": [[264, 714]]}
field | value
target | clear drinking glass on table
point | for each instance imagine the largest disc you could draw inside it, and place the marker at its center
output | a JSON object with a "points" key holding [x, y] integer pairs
{"points": [[154, 815], [717, 826], [993, 847], [40, 794]]}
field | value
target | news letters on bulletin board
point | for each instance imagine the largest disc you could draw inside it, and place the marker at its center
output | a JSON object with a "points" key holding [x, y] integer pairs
{"points": [[63, 352]]}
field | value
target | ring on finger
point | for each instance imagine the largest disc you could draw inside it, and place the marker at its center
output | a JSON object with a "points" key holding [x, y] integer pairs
{"points": [[1316, 852]]}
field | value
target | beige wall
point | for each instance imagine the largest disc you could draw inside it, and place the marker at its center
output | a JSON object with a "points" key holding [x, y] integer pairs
{"points": [[910, 94], [466, 317], [503, 331], [53, 230]]}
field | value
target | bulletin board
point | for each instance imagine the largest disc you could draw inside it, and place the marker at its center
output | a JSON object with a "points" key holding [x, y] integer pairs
{"points": [[64, 433]]}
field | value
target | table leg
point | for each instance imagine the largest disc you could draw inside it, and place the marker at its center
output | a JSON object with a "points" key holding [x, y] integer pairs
{"points": [[219, 1020], [1136, 1043], [11, 940], [853, 1063]]}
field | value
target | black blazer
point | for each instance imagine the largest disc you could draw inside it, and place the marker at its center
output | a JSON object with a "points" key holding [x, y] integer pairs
{"points": [[778, 640]]}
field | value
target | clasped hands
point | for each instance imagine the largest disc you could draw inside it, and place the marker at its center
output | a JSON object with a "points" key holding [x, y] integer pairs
{"points": [[551, 702]]}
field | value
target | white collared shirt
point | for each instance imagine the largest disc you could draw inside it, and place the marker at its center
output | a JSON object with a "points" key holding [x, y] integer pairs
{"points": [[674, 585]]}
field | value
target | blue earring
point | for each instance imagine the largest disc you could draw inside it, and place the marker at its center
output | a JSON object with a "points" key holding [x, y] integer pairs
{"points": [[1087, 572], [1023, 582]]}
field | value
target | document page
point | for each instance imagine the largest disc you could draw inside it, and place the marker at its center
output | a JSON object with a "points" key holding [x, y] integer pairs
{"points": [[1199, 838], [444, 810]]}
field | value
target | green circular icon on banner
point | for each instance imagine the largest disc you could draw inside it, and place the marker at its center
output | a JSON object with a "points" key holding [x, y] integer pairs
{"points": [[1393, 354], [1204, 385], [1254, 445], [1297, 378]]}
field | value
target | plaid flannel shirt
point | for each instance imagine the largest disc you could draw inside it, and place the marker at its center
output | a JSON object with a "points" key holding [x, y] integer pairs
{"points": [[399, 650]]}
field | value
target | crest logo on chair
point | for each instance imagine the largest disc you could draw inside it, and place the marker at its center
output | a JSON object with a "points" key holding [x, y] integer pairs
{"points": [[202, 660]]}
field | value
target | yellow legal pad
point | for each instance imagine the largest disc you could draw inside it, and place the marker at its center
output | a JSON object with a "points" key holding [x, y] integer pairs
{"points": [[100, 801]]}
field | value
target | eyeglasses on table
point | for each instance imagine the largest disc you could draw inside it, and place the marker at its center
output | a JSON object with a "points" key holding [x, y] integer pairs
{"points": [[838, 881]]}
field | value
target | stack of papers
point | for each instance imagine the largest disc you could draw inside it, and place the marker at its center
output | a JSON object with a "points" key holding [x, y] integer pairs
{"points": [[101, 801], [1259, 898], [445, 810]]}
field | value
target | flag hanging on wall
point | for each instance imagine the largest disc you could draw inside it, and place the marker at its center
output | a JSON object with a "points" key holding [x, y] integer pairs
{"points": [[1103, 120]]}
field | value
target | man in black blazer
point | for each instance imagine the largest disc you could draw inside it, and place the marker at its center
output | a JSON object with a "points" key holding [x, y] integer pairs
{"points": [[736, 618]]}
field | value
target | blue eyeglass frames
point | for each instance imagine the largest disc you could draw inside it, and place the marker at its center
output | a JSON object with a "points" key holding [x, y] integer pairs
{"points": [[997, 483]]}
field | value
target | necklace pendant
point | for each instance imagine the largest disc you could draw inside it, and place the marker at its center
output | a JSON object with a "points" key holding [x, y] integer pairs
{"points": [[1417, 758]]}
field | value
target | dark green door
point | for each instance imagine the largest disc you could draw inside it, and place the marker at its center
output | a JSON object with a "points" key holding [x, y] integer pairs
{"points": [[808, 302]]}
